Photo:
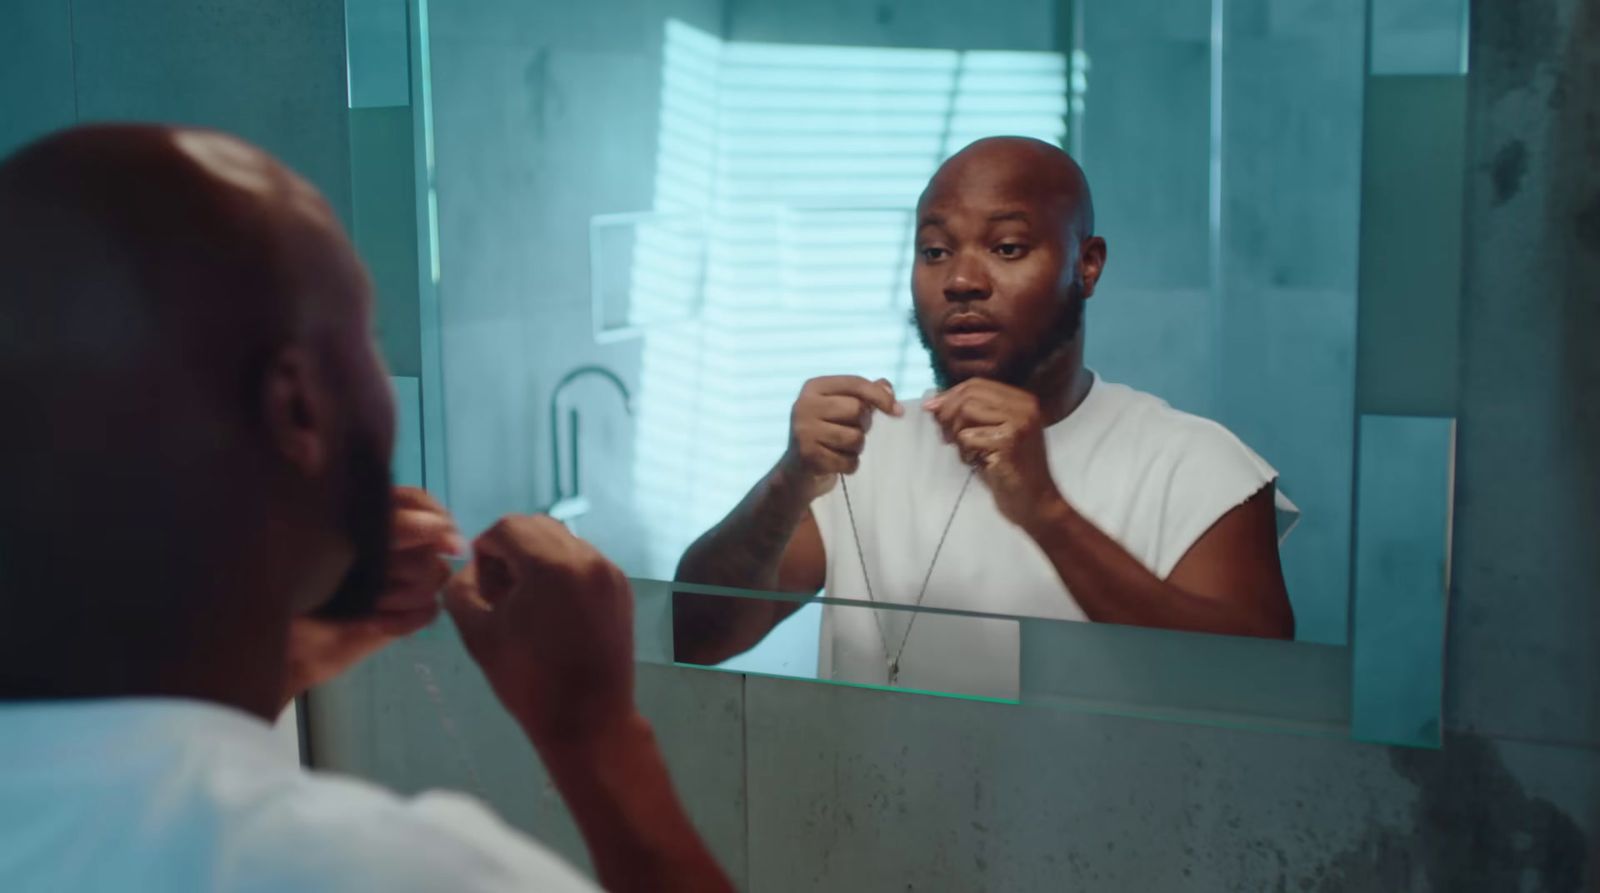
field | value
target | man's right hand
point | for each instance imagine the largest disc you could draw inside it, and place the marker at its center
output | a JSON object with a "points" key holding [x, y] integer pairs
{"points": [[550, 622], [828, 429]]}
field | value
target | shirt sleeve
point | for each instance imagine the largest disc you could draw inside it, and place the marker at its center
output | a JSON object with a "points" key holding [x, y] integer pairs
{"points": [[1210, 472], [485, 855]]}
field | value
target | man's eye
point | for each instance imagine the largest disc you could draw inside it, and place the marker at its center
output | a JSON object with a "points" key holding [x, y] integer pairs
{"points": [[1011, 250], [934, 253]]}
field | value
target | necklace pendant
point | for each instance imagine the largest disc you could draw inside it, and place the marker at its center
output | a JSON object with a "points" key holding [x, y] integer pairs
{"points": [[894, 671]]}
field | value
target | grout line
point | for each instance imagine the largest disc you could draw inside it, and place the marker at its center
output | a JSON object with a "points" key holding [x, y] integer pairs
{"points": [[744, 761], [72, 56], [1528, 740]]}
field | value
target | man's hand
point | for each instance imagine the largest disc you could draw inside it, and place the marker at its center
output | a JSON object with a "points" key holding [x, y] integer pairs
{"points": [[828, 429], [999, 430], [550, 622], [422, 533]]}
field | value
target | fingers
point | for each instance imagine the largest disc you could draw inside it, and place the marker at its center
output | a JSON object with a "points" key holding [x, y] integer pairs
{"points": [[957, 412], [979, 445], [842, 410], [416, 498], [877, 394], [468, 611], [993, 391], [505, 555], [833, 462], [895, 409], [829, 423], [414, 580], [521, 548], [841, 438], [414, 528], [461, 592], [524, 557], [419, 520], [524, 543], [833, 449]]}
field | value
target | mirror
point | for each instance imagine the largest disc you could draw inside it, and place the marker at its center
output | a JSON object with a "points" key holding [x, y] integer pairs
{"points": [[651, 239]]}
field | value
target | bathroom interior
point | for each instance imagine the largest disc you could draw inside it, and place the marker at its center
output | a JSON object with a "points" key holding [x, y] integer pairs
{"points": [[611, 240]]}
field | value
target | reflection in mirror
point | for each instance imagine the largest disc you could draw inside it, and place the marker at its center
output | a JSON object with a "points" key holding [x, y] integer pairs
{"points": [[1023, 389], [1036, 662], [1101, 371], [646, 271]]}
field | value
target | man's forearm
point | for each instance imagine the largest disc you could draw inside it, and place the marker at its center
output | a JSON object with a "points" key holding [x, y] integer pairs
{"points": [[618, 789], [1112, 586], [746, 549]]}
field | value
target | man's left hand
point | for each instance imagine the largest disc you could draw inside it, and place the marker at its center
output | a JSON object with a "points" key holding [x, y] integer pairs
{"points": [[999, 430], [422, 534]]}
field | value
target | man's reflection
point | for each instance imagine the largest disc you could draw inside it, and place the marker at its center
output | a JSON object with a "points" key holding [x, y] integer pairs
{"points": [[1027, 485]]}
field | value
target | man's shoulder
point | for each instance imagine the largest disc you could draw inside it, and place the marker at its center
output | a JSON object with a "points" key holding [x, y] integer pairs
{"points": [[1194, 469], [346, 834], [1152, 420], [1153, 433]]}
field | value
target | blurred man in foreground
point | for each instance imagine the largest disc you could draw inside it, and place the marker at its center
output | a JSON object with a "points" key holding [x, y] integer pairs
{"points": [[197, 523]]}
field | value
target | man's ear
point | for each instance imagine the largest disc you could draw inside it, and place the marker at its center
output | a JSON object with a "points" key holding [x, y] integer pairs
{"points": [[297, 411], [1091, 261]]}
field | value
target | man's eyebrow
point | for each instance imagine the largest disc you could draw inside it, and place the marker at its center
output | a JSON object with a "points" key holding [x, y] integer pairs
{"points": [[997, 217]]}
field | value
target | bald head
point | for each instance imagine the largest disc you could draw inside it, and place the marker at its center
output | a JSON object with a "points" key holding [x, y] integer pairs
{"points": [[1023, 166], [184, 352], [117, 237]]}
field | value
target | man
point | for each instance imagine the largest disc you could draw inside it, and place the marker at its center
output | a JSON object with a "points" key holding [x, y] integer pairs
{"points": [[1026, 486], [195, 524]]}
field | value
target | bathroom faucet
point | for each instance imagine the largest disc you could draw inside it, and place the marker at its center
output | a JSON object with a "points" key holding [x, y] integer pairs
{"points": [[569, 506]]}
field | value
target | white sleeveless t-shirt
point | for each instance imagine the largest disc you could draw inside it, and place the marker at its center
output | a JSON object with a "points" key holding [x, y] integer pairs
{"points": [[1152, 478]]}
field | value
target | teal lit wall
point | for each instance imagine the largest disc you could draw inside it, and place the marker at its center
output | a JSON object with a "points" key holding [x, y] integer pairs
{"points": [[272, 73]]}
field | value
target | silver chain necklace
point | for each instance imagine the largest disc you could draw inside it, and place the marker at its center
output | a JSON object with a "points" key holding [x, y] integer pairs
{"points": [[893, 657]]}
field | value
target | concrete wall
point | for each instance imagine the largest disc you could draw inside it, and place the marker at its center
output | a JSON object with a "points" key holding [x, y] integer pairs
{"points": [[1523, 663], [271, 73]]}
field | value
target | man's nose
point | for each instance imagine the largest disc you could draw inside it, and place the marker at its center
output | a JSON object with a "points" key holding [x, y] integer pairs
{"points": [[968, 279]]}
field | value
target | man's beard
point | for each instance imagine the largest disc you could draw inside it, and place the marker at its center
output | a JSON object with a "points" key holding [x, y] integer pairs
{"points": [[368, 504], [1020, 369]]}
